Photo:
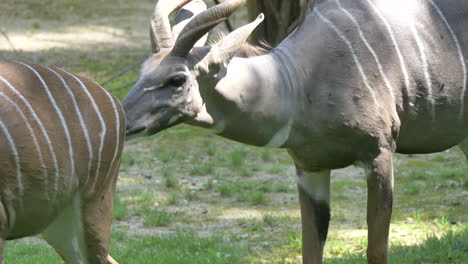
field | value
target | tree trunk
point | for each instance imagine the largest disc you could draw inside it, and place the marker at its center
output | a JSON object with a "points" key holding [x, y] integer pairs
{"points": [[281, 17]]}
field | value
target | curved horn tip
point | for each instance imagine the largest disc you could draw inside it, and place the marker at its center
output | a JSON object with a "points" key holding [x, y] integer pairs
{"points": [[260, 17]]}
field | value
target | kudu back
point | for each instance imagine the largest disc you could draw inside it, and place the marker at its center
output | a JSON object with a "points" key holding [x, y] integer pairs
{"points": [[61, 138]]}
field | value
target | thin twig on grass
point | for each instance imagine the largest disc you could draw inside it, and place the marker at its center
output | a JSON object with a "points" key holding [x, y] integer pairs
{"points": [[123, 72], [8, 40]]}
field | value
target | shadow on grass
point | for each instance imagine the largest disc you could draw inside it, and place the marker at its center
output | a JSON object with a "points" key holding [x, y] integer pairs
{"points": [[450, 248]]}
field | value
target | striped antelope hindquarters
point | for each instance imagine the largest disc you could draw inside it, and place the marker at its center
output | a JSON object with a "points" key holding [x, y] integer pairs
{"points": [[355, 82], [61, 138]]}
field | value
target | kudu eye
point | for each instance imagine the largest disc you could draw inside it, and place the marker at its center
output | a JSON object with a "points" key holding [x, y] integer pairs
{"points": [[178, 80]]}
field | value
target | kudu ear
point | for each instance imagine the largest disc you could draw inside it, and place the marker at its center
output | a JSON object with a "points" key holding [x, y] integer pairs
{"points": [[232, 43], [185, 15], [223, 51]]}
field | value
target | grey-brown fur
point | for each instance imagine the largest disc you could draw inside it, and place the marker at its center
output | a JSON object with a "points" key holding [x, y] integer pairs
{"points": [[248, 50], [356, 82]]}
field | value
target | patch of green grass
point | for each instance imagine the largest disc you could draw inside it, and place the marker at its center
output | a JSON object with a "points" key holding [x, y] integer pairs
{"points": [[252, 192], [167, 154], [276, 170], [163, 154], [220, 174], [418, 174], [450, 172], [172, 198], [209, 185], [245, 172], [253, 197], [69, 11], [191, 195], [180, 247], [449, 248], [281, 188], [169, 180], [274, 187], [204, 169], [229, 188], [418, 164], [210, 151], [226, 189], [295, 242], [27, 252], [155, 218], [121, 210], [269, 219], [145, 198], [412, 188], [128, 160], [238, 157], [267, 155]]}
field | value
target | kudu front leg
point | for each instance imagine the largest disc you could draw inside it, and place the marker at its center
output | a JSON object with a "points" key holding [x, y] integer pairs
{"points": [[314, 197], [379, 206]]}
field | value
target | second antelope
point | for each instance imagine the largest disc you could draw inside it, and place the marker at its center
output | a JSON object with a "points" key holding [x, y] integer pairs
{"points": [[61, 138], [356, 82]]}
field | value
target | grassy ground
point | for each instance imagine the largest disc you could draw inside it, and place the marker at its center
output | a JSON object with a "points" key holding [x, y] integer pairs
{"points": [[186, 196]]}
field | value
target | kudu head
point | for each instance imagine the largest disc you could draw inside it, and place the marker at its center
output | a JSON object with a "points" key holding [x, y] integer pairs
{"points": [[167, 92]]}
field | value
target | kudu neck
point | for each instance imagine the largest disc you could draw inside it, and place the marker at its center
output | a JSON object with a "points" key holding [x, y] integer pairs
{"points": [[253, 101]]}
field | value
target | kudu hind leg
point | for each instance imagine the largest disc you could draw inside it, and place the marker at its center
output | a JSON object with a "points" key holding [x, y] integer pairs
{"points": [[80, 234], [379, 206], [314, 197], [97, 220], [65, 234]]}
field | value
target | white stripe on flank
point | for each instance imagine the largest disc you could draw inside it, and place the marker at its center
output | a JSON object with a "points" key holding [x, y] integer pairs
{"points": [[101, 121], [369, 47], [425, 64], [19, 177], [80, 118], [117, 129], [31, 132], [397, 49], [62, 121], [38, 121], [460, 54], [353, 52]]}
